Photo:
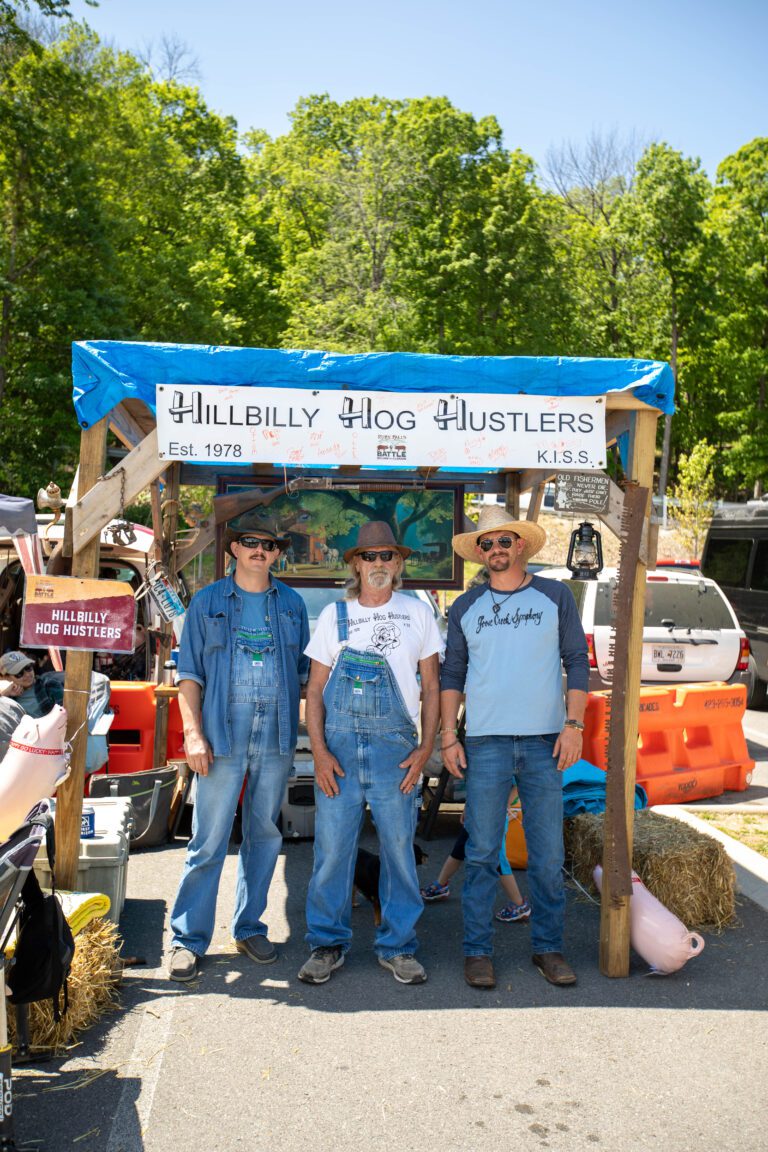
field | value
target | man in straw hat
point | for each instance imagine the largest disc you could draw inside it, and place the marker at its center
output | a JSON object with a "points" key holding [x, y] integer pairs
{"points": [[508, 641], [240, 669], [362, 718]]}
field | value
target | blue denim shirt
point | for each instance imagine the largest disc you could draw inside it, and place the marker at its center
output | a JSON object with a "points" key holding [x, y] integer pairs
{"points": [[205, 656]]}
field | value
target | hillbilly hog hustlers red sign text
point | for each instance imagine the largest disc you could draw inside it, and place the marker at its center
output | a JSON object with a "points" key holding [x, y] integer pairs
{"points": [[65, 612]]}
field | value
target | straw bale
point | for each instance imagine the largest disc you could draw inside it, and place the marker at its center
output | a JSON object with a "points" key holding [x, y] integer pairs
{"points": [[688, 871], [92, 986]]}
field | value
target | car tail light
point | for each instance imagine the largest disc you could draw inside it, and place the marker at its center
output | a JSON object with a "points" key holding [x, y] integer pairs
{"points": [[743, 663], [591, 650], [665, 579]]}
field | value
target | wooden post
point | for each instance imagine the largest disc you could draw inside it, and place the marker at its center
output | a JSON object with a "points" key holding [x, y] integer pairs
{"points": [[170, 512], [513, 495], [614, 914], [77, 679]]}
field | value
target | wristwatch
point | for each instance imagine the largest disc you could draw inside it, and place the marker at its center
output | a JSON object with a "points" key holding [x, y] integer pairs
{"points": [[578, 724]]}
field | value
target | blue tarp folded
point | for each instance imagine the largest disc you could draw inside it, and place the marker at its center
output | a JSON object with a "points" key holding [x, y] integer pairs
{"points": [[584, 790], [108, 371]]}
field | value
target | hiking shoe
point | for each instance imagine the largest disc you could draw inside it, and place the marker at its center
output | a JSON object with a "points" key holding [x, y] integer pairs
{"points": [[554, 967], [512, 912], [478, 972], [405, 969], [257, 948], [321, 963], [435, 892], [182, 965]]}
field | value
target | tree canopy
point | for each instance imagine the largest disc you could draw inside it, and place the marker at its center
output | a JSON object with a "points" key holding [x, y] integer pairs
{"points": [[131, 210]]}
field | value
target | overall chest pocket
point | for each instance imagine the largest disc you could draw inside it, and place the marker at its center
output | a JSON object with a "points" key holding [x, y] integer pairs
{"points": [[254, 665], [361, 688]]}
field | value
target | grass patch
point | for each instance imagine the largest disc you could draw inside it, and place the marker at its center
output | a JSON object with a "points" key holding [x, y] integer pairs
{"points": [[742, 826]]}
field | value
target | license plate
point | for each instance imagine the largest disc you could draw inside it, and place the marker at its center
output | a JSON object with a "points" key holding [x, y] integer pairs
{"points": [[666, 654]]}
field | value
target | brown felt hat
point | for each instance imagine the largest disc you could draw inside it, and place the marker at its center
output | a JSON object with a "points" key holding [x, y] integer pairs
{"points": [[494, 518], [376, 534]]}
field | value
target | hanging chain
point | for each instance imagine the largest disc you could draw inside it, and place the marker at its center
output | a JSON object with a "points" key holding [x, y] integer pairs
{"points": [[121, 531]]}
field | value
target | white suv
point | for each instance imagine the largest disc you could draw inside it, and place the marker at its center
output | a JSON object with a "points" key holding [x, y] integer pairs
{"points": [[690, 633]]}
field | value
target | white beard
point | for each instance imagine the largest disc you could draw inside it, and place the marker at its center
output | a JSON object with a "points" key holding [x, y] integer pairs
{"points": [[379, 578]]}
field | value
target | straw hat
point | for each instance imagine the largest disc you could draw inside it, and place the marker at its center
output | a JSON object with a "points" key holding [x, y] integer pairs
{"points": [[376, 534], [495, 518]]}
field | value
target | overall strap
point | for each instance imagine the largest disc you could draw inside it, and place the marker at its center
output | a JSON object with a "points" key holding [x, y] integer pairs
{"points": [[342, 621]]}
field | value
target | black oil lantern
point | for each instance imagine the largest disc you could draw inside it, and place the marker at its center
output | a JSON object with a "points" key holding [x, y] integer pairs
{"points": [[585, 553]]}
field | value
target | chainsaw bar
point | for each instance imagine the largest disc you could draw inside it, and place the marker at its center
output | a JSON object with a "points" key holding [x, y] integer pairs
{"points": [[616, 856]]}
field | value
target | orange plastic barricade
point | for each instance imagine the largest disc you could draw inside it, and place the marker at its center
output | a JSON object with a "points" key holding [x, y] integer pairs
{"points": [[514, 846], [690, 744], [131, 737]]}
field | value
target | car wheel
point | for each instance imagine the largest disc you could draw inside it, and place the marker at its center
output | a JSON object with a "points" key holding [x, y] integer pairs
{"points": [[758, 689]]}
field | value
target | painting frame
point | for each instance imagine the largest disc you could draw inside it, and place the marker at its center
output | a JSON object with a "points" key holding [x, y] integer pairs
{"points": [[322, 524]]}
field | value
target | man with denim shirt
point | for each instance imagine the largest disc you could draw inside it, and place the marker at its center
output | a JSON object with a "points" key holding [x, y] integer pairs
{"points": [[241, 665], [509, 640]]}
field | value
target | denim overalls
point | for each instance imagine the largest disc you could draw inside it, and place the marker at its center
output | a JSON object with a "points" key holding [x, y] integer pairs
{"points": [[369, 731], [257, 760]]}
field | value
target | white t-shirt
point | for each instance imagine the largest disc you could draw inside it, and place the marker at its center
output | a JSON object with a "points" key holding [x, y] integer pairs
{"points": [[403, 630]]}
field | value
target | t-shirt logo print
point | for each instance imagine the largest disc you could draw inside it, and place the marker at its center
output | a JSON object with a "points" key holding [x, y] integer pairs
{"points": [[384, 639]]}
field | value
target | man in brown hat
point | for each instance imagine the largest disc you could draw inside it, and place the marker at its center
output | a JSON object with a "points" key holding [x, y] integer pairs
{"points": [[508, 642], [362, 718], [240, 669]]}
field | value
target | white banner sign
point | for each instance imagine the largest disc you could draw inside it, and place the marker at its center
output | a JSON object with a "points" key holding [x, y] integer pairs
{"points": [[238, 425]]}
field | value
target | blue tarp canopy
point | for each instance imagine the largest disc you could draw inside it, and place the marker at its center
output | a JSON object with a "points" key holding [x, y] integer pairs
{"points": [[105, 372]]}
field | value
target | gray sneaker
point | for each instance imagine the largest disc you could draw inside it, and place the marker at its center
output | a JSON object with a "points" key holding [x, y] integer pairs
{"points": [[257, 948], [182, 965], [321, 963], [406, 969]]}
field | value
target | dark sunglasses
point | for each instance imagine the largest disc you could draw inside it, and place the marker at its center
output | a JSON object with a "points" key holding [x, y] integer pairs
{"points": [[372, 557], [502, 542], [257, 542]]}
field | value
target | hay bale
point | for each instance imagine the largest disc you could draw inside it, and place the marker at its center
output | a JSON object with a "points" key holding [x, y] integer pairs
{"points": [[688, 871], [92, 986]]}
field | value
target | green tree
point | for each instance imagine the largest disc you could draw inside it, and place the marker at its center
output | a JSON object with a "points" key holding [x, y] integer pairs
{"points": [[694, 494]]}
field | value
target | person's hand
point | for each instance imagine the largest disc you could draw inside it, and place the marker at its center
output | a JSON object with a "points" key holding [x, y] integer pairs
{"points": [[413, 766], [10, 688], [198, 753], [327, 768], [454, 759], [567, 748]]}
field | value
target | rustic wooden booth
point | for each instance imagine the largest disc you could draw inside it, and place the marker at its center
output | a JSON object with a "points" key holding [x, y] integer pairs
{"points": [[115, 389]]}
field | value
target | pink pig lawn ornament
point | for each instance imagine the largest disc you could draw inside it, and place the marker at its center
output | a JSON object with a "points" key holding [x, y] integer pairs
{"points": [[33, 767], [654, 932]]}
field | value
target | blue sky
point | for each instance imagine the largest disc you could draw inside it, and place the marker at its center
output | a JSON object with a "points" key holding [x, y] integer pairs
{"points": [[690, 73]]}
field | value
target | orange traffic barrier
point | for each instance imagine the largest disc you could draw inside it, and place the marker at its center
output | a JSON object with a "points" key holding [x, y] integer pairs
{"points": [[131, 737], [690, 745]]}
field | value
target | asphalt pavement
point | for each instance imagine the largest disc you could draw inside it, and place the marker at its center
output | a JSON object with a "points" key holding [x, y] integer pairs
{"points": [[248, 1057]]}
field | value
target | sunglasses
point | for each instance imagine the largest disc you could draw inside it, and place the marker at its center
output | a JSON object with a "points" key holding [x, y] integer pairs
{"points": [[372, 557], [501, 542], [257, 542]]}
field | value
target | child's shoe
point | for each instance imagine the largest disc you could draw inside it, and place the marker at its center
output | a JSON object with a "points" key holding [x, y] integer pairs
{"points": [[512, 912], [435, 892]]}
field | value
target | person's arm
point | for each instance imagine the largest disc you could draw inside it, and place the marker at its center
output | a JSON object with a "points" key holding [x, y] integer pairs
{"points": [[573, 653], [196, 748], [327, 767], [413, 765], [451, 748]]}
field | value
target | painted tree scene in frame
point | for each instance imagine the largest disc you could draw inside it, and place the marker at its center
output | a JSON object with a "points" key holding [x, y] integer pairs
{"points": [[322, 525]]}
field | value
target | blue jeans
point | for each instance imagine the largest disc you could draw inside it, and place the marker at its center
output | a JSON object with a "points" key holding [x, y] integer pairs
{"points": [[368, 730], [265, 770], [494, 764]]}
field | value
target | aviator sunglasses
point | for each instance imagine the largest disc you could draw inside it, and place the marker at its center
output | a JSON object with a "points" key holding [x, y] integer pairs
{"points": [[502, 542], [372, 557], [257, 542]]}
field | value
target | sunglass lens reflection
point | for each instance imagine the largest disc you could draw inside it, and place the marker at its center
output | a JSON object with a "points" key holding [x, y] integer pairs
{"points": [[502, 542], [257, 542]]}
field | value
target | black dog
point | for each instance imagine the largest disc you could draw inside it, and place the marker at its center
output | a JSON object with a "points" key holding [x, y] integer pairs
{"points": [[367, 874]]}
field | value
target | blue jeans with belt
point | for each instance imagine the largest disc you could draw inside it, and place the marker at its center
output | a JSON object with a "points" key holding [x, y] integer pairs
{"points": [[369, 731], [494, 764], [257, 761]]}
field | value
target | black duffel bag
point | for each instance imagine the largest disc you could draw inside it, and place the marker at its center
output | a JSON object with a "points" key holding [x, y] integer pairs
{"points": [[150, 793]]}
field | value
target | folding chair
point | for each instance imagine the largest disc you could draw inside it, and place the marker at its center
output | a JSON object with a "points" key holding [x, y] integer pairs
{"points": [[17, 855]]}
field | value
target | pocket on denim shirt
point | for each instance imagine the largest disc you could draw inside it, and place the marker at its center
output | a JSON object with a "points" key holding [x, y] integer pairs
{"points": [[216, 629]]}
